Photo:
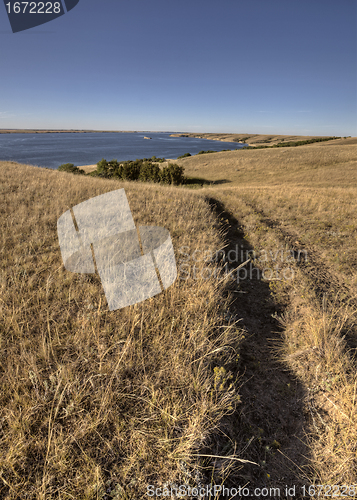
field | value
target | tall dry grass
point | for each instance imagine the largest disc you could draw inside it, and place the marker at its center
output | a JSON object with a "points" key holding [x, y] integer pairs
{"points": [[311, 165], [319, 336], [94, 401]]}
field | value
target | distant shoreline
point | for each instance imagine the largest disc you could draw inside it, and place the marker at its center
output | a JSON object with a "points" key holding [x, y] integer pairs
{"points": [[249, 139]]}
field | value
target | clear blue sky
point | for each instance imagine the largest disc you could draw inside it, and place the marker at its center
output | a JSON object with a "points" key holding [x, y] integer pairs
{"points": [[255, 66]]}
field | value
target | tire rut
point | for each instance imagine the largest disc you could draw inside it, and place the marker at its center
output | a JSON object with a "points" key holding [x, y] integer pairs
{"points": [[320, 276], [269, 425]]}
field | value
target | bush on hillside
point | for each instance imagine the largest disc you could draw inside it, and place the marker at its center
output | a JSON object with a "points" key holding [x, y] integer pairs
{"points": [[106, 168], [140, 170], [172, 174], [149, 172], [129, 170], [154, 159], [236, 139], [69, 167]]}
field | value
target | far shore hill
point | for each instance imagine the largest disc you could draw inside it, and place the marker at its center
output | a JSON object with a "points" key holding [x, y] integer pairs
{"points": [[249, 139]]}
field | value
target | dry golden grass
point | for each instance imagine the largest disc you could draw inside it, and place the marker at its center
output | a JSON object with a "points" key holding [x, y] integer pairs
{"points": [[128, 398], [309, 165], [304, 200], [88, 168], [319, 337], [92, 399]]}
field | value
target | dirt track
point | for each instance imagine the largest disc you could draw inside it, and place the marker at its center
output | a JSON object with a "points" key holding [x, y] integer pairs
{"points": [[276, 409], [272, 399]]}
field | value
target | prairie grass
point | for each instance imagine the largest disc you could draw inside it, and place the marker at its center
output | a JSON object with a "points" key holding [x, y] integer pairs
{"points": [[310, 211], [97, 404], [319, 337], [93, 400], [315, 165]]}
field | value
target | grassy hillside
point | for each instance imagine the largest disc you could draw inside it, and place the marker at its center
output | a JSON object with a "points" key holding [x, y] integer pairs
{"points": [[297, 210], [247, 378], [304, 242], [320, 164], [92, 399]]}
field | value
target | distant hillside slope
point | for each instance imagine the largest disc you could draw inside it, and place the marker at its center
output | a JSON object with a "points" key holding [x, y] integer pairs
{"points": [[314, 163], [250, 139]]}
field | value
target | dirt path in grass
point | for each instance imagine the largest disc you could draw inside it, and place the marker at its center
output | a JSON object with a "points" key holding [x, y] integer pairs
{"points": [[321, 277], [270, 423]]}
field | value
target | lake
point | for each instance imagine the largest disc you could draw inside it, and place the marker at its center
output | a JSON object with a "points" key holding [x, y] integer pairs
{"points": [[53, 149]]}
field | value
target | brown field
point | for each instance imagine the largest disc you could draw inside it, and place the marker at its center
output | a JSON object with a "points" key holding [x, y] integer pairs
{"points": [[247, 378]]}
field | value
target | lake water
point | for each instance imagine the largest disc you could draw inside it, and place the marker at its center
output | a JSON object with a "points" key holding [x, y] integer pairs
{"points": [[53, 149]]}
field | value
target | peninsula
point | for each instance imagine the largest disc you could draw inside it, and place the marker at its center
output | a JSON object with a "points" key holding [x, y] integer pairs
{"points": [[249, 139]]}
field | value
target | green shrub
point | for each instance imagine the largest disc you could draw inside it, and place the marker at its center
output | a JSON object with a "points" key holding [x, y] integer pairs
{"points": [[143, 170], [172, 174], [236, 139], [184, 156], [103, 168], [149, 172], [165, 176], [106, 168], [154, 159], [131, 170], [69, 167], [176, 173]]}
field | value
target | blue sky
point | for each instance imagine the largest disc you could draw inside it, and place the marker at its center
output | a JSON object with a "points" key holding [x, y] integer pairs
{"points": [[241, 66]]}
